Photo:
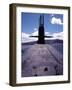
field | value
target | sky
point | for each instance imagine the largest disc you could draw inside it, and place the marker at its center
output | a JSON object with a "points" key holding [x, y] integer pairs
{"points": [[53, 23], [53, 26]]}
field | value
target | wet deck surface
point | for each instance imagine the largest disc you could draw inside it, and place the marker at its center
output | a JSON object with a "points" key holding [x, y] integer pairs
{"points": [[41, 60]]}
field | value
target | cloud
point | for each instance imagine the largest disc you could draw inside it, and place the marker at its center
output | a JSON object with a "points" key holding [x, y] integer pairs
{"points": [[35, 33], [35, 29], [58, 35], [25, 37], [55, 20], [47, 33]]}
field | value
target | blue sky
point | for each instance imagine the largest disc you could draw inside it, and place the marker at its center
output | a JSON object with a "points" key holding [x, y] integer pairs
{"points": [[53, 23]]}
